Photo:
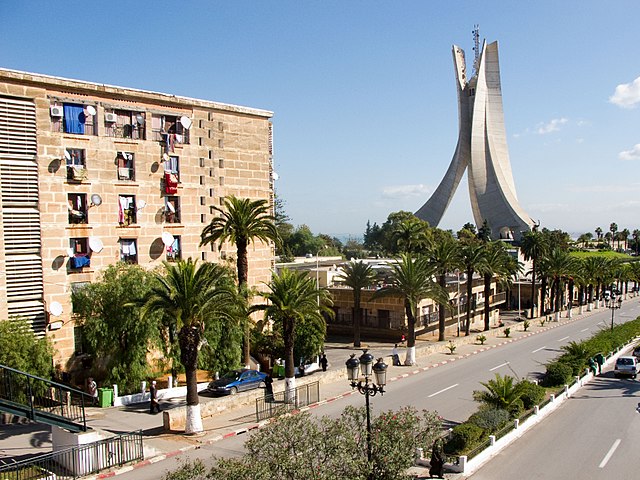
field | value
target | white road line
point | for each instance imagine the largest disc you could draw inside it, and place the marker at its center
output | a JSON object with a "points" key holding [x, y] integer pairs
{"points": [[564, 338], [607, 457], [443, 390], [501, 365], [538, 349], [584, 330]]}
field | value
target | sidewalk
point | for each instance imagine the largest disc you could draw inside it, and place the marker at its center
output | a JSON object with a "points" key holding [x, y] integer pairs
{"points": [[159, 445]]}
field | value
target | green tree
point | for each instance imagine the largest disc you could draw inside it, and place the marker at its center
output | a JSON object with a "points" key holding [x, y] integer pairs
{"points": [[444, 257], [412, 279], [598, 232], [241, 222], [500, 265], [292, 298], [357, 276], [472, 258], [411, 235], [559, 266], [613, 228], [501, 392], [534, 247], [22, 350], [118, 339], [193, 297]]}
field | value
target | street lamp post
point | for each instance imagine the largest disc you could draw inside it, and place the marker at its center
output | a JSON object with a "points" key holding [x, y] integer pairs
{"points": [[360, 379], [612, 304]]}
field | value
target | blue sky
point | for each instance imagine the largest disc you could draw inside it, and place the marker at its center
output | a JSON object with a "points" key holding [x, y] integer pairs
{"points": [[363, 92]]}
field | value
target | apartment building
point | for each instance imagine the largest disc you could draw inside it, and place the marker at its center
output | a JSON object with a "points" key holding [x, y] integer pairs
{"points": [[93, 174]]}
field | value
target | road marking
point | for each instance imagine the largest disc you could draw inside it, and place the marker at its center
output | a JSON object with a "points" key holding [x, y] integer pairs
{"points": [[501, 365], [584, 330], [443, 390], [564, 338], [607, 457], [538, 349]]}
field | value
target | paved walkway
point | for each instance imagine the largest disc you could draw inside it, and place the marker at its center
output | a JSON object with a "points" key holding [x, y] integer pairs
{"points": [[20, 440]]}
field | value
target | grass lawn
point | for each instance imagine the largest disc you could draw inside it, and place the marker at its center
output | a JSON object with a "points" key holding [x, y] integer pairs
{"points": [[605, 254]]}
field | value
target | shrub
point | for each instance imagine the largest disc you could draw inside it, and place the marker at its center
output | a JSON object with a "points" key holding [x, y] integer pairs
{"points": [[507, 332], [490, 419], [542, 320], [526, 325], [463, 438], [532, 395], [452, 347], [558, 374], [481, 339]]}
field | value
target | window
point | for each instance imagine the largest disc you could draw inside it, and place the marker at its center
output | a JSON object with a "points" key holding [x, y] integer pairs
{"points": [[125, 124], [126, 210], [202, 201], [76, 164], [79, 341], [168, 130], [81, 256], [76, 118], [201, 179], [220, 143], [172, 165], [128, 250], [221, 162], [173, 250], [171, 174], [78, 208], [126, 166], [201, 162], [172, 209], [203, 218], [75, 288], [221, 181]]}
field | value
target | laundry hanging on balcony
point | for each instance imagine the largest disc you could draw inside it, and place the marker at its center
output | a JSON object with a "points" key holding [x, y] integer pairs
{"points": [[170, 183], [79, 261], [74, 118]]}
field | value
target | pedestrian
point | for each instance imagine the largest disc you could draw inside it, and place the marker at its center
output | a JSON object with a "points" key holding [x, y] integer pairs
{"points": [[268, 388], [403, 339], [592, 365], [92, 388], [395, 356], [324, 362], [436, 463], [599, 358], [153, 398]]}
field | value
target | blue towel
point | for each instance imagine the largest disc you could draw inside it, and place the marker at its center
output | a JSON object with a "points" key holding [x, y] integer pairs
{"points": [[74, 118], [79, 262]]}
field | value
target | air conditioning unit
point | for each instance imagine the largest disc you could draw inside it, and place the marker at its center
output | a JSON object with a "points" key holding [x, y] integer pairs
{"points": [[56, 111], [110, 117]]}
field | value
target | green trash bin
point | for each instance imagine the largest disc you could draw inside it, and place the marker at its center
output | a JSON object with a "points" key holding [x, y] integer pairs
{"points": [[105, 397]]}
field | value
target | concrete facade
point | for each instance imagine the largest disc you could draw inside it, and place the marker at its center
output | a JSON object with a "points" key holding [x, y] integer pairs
{"points": [[482, 150], [159, 163]]}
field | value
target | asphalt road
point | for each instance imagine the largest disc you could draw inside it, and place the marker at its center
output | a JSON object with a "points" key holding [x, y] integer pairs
{"points": [[446, 389]]}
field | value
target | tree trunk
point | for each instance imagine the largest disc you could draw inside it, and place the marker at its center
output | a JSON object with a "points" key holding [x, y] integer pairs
{"points": [[288, 328], [533, 289], [441, 310], [242, 264], [487, 306], [543, 295], [189, 338], [467, 326], [357, 314], [410, 358]]}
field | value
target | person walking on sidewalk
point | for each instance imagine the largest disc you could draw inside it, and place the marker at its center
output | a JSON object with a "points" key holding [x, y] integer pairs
{"points": [[154, 406], [395, 356], [324, 362]]}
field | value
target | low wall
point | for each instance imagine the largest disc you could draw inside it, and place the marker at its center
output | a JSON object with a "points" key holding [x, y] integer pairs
{"points": [[163, 394]]}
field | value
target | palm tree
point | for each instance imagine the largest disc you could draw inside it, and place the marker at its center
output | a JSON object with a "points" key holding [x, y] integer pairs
{"points": [[559, 266], [636, 239], [613, 228], [499, 264], [444, 258], [534, 247], [412, 279], [598, 231], [472, 258], [357, 276], [624, 236], [241, 222], [410, 235], [292, 297], [191, 296], [502, 393]]}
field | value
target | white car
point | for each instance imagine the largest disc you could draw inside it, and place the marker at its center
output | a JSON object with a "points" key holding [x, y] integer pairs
{"points": [[626, 366], [310, 365]]}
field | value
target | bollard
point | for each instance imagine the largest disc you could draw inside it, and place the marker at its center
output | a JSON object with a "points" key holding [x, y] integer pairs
{"points": [[516, 423], [536, 410], [143, 386], [170, 381], [552, 398], [115, 391], [492, 440]]}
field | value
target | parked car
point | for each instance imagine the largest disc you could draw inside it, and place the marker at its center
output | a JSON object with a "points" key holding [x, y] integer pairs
{"points": [[626, 366], [310, 365], [636, 351], [237, 381]]}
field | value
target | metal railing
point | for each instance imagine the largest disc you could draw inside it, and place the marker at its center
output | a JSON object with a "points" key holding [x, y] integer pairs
{"points": [[280, 403], [79, 461], [42, 400]]}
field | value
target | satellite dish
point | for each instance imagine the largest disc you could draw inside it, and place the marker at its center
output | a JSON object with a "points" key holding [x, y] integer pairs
{"points": [[186, 122], [55, 309], [167, 239], [96, 200], [141, 204], [70, 252], [91, 110], [275, 176], [140, 119], [165, 157], [67, 155], [95, 244]]}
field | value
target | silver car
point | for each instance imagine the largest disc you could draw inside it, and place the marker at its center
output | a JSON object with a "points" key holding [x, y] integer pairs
{"points": [[626, 366]]}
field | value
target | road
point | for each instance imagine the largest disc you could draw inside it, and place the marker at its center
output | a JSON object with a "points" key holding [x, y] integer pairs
{"points": [[447, 389], [595, 435]]}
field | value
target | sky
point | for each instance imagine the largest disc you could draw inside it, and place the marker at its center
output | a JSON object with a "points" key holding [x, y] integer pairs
{"points": [[363, 93]]}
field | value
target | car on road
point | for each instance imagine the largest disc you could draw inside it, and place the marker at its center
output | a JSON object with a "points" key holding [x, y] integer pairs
{"points": [[626, 365], [237, 381], [636, 351]]}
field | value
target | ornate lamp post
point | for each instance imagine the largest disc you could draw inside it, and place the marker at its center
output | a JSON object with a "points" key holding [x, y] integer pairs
{"points": [[613, 305], [365, 364]]}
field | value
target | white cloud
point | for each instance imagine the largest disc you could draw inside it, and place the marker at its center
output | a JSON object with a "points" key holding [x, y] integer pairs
{"points": [[633, 154], [551, 126], [626, 94], [404, 191]]}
